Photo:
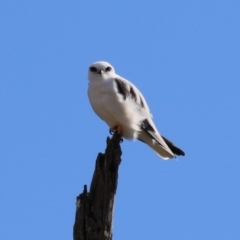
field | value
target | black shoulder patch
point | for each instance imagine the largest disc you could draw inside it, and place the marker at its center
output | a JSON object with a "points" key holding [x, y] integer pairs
{"points": [[141, 102], [133, 94], [121, 88]]}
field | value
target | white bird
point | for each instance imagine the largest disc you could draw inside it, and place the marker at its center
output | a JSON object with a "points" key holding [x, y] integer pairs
{"points": [[122, 106]]}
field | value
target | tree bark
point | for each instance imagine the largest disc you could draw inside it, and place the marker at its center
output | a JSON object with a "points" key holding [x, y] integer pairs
{"points": [[94, 209]]}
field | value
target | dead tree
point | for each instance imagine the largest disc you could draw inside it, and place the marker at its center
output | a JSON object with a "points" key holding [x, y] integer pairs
{"points": [[94, 209]]}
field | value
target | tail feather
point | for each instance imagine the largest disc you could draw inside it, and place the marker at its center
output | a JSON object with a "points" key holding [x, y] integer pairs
{"points": [[162, 152], [161, 145], [173, 148]]}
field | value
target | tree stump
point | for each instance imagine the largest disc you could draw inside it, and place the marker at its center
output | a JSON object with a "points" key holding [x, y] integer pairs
{"points": [[94, 209]]}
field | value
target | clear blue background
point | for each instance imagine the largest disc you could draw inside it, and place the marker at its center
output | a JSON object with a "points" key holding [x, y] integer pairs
{"points": [[185, 58]]}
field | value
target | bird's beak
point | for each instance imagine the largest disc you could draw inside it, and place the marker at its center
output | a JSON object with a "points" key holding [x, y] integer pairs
{"points": [[100, 72]]}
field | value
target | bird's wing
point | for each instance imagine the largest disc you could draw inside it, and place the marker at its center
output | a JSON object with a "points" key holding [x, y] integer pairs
{"points": [[130, 91], [148, 131], [152, 137]]}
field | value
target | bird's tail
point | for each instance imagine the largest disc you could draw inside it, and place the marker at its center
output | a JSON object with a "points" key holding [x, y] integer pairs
{"points": [[161, 145], [161, 149], [173, 148]]}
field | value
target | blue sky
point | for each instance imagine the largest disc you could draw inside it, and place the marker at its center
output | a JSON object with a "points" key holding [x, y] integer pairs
{"points": [[182, 55]]}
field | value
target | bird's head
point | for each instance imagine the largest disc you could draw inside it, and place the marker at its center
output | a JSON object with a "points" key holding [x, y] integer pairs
{"points": [[100, 70]]}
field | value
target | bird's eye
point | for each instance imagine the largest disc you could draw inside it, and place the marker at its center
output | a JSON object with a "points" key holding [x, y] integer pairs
{"points": [[93, 69], [108, 69]]}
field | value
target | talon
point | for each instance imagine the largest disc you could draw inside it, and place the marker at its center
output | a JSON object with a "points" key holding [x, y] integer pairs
{"points": [[117, 128], [111, 131]]}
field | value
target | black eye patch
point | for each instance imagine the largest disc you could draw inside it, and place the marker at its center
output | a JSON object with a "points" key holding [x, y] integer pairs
{"points": [[93, 69], [108, 69]]}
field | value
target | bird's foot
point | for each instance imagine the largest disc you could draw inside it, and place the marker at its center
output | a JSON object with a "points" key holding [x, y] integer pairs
{"points": [[114, 129], [117, 129]]}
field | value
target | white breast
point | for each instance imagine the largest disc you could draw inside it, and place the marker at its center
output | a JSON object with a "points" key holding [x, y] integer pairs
{"points": [[110, 106], [102, 99]]}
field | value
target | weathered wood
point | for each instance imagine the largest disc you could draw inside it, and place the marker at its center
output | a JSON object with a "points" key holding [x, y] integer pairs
{"points": [[94, 209]]}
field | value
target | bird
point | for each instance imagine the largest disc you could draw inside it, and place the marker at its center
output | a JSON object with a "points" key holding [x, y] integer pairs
{"points": [[122, 106]]}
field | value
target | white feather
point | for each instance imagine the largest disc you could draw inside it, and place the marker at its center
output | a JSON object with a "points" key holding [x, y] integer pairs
{"points": [[119, 103]]}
